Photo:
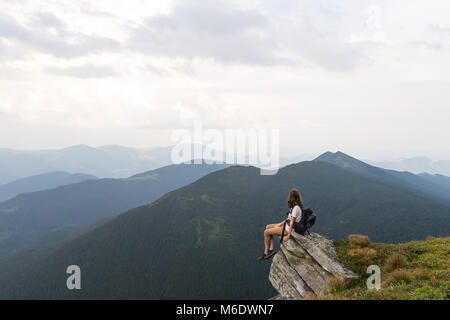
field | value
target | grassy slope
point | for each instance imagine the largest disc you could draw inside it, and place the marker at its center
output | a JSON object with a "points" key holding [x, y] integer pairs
{"points": [[415, 270]]}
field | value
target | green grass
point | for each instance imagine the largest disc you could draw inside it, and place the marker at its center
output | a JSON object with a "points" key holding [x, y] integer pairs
{"points": [[210, 231], [417, 270]]}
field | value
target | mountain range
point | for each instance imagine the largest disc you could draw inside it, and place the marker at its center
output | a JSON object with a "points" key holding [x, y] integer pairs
{"points": [[103, 162], [416, 165], [114, 161], [41, 182], [57, 213], [201, 240], [436, 187]]}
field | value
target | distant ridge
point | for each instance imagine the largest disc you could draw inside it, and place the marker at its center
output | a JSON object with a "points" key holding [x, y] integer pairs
{"points": [[442, 180], [41, 182], [102, 162], [433, 187], [416, 165], [27, 218]]}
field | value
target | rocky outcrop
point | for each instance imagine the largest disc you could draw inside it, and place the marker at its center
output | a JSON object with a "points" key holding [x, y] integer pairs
{"points": [[306, 264]]}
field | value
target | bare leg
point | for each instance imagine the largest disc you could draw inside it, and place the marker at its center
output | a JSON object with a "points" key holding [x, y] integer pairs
{"points": [[267, 240], [268, 237], [270, 226]]}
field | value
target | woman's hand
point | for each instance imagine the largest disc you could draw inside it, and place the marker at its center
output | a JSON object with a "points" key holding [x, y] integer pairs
{"points": [[286, 238]]}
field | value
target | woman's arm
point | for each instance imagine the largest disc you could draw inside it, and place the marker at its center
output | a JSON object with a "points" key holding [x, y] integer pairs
{"points": [[295, 214], [286, 238]]}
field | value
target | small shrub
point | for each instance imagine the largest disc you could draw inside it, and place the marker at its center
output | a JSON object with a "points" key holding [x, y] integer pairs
{"points": [[435, 282], [364, 256], [429, 293], [445, 289], [417, 270], [434, 261], [423, 274], [398, 277], [396, 261], [336, 284], [359, 240]]}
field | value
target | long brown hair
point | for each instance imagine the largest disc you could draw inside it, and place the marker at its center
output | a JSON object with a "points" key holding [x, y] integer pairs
{"points": [[294, 199]]}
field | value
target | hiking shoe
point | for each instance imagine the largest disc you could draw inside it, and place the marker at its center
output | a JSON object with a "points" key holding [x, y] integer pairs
{"points": [[271, 254], [265, 256], [262, 257]]}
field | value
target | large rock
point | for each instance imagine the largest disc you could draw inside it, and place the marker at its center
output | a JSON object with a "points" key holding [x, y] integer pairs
{"points": [[306, 264]]}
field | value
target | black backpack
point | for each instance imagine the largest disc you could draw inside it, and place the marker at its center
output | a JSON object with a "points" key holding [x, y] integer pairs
{"points": [[307, 221]]}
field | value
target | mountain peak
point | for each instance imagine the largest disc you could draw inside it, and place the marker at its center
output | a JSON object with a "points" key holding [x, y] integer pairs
{"points": [[330, 155], [79, 147], [345, 161], [340, 158]]}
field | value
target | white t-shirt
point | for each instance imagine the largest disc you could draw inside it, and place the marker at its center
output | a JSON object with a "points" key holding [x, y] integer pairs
{"points": [[296, 213]]}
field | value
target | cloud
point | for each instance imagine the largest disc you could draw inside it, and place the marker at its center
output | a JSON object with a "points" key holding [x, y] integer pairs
{"points": [[156, 70], [323, 47], [373, 32], [226, 34], [11, 29], [210, 31], [9, 52], [217, 31], [290, 64], [58, 41], [48, 19], [427, 45], [7, 117], [440, 28], [83, 71]]}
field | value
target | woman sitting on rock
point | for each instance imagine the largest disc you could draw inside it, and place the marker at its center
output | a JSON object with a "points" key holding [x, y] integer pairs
{"points": [[295, 205]]}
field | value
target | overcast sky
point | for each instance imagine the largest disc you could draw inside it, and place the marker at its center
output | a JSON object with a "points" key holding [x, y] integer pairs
{"points": [[370, 78]]}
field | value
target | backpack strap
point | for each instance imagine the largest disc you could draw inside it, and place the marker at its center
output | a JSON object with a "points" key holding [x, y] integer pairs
{"points": [[282, 232]]}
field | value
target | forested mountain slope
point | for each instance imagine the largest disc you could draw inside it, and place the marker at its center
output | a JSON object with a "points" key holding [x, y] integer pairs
{"points": [[28, 217], [201, 241]]}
